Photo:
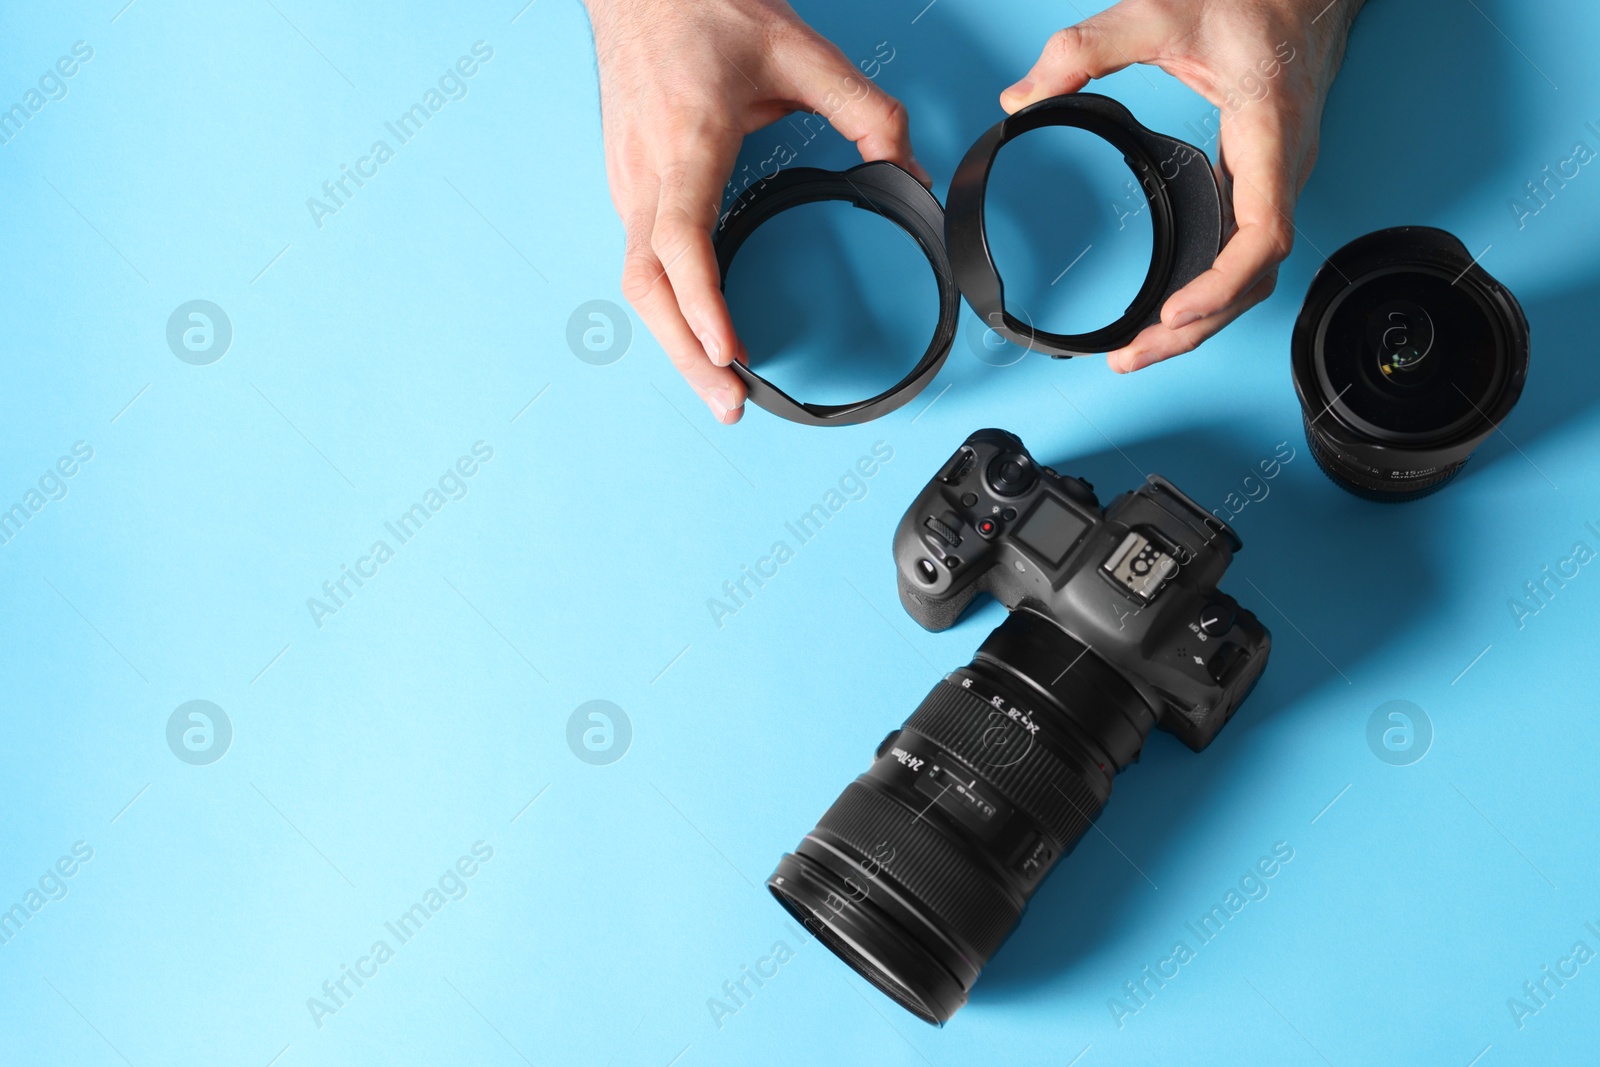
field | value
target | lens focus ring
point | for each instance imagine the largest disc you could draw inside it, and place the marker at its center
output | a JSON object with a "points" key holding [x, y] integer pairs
{"points": [[974, 908], [1062, 799], [1369, 486]]}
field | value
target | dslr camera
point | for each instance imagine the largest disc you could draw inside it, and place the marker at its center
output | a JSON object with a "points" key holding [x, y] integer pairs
{"points": [[923, 866]]}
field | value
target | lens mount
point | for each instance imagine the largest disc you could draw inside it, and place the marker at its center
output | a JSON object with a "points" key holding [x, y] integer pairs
{"points": [[1405, 356], [880, 187], [1185, 216]]}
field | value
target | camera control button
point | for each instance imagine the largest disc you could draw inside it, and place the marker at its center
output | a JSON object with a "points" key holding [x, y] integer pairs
{"points": [[943, 530], [969, 499], [926, 571], [986, 528], [1012, 474], [1008, 514], [1215, 620], [958, 467]]}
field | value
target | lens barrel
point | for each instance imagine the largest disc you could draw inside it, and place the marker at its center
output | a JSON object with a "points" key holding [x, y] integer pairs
{"points": [[1406, 355], [920, 870]]}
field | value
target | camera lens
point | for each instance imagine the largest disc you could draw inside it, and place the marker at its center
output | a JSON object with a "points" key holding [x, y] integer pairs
{"points": [[920, 870], [1406, 355]]}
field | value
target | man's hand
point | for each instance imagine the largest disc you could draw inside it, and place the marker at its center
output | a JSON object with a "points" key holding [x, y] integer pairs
{"points": [[1267, 64], [681, 83]]}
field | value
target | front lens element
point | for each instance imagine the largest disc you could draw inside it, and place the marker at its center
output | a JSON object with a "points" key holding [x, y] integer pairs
{"points": [[1411, 356], [1401, 333]]}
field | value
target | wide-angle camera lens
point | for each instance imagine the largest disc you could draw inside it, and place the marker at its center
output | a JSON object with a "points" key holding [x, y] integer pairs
{"points": [[919, 871], [1406, 355]]}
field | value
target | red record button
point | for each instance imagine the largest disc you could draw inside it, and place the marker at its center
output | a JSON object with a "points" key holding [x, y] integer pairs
{"points": [[987, 527]]}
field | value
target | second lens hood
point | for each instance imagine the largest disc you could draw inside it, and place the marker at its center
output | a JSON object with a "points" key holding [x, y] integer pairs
{"points": [[1177, 182]]}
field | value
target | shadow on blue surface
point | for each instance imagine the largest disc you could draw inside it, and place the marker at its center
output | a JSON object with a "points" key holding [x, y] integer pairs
{"points": [[1304, 531], [1421, 149], [1564, 370], [1418, 155]]}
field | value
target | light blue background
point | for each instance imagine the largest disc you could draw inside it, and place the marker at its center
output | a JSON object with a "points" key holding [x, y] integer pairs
{"points": [[370, 753]]}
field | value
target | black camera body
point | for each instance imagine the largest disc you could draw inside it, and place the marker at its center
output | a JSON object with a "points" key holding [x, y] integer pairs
{"points": [[1136, 582]]}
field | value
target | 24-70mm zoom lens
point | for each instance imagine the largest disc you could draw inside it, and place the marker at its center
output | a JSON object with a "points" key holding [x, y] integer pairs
{"points": [[920, 870]]}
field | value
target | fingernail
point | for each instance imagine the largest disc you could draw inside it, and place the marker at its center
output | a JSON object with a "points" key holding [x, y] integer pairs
{"points": [[714, 350], [1123, 362], [1182, 319], [1022, 88], [721, 401]]}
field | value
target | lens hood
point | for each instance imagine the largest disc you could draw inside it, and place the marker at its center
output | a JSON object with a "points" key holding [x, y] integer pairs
{"points": [[880, 187], [1176, 178], [1177, 182]]}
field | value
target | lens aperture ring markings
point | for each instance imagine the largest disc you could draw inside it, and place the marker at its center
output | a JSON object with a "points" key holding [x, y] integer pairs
{"points": [[1371, 486], [898, 842], [1057, 796]]}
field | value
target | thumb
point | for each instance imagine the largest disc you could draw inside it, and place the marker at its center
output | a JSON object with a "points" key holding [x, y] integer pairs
{"points": [[828, 83], [1103, 44]]}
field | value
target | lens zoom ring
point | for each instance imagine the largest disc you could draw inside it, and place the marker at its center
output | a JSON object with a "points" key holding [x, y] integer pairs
{"points": [[1055, 795], [970, 904]]}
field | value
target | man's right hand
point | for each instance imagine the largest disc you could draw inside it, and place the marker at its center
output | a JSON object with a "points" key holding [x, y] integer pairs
{"points": [[681, 83]]}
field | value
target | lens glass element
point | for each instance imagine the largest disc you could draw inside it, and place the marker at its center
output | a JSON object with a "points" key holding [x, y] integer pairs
{"points": [[1402, 334], [1408, 354]]}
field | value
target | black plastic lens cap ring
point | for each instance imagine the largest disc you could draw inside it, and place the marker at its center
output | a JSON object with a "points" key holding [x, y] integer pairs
{"points": [[1185, 218], [880, 187]]}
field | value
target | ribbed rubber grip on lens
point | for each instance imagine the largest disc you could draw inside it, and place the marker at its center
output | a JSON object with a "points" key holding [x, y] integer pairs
{"points": [[968, 901], [1063, 799], [1368, 487]]}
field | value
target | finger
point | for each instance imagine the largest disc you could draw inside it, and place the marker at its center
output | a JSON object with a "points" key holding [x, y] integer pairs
{"points": [[1258, 153], [698, 163], [647, 288], [1159, 342], [1117, 37], [828, 83], [1219, 171]]}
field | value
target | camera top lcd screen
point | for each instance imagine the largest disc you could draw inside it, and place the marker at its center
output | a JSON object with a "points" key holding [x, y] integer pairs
{"points": [[1051, 530]]}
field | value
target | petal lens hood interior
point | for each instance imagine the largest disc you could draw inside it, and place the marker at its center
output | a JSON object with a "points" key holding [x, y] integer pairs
{"points": [[889, 191], [1177, 182]]}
